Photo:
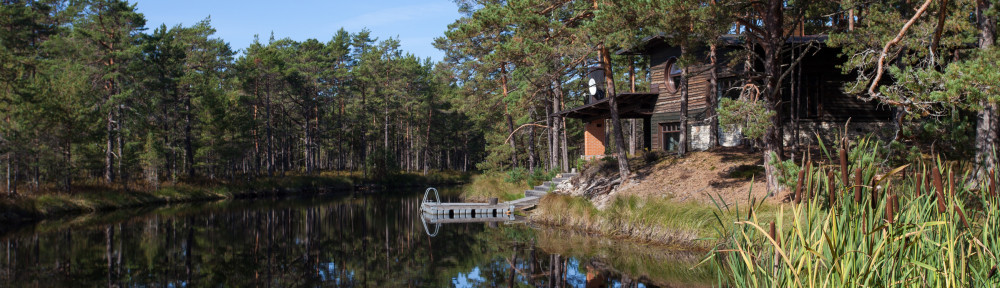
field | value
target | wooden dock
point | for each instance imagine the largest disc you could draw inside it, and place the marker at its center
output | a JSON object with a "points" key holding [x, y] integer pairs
{"points": [[438, 209]]}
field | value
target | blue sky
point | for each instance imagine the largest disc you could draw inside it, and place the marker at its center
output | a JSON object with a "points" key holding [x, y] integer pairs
{"points": [[415, 22]]}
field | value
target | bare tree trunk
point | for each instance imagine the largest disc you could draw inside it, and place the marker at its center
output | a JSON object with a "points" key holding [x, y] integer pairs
{"points": [[188, 150], [531, 144], [109, 172], [773, 146], [562, 128], [121, 143], [510, 120], [987, 135], [713, 99], [632, 125], [550, 136], [623, 168], [427, 137], [270, 135], [685, 130]]}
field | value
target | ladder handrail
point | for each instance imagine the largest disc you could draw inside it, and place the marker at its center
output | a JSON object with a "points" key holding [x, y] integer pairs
{"points": [[436, 196]]}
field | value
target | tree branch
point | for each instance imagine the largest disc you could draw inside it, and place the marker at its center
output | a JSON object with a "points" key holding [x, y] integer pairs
{"points": [[885, 50]]}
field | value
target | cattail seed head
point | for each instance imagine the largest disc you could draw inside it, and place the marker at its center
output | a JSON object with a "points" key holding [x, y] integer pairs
{"points": [[951, 183], [961, 216], [993, 183], [920, 182], [889, 213], [939, 188]]}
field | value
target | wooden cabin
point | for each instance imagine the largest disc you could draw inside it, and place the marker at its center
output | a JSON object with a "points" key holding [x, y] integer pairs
{"points": [[813, 100]]}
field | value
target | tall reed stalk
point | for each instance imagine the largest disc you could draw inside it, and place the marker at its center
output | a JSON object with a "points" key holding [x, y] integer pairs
{"points": [[899, 234]]}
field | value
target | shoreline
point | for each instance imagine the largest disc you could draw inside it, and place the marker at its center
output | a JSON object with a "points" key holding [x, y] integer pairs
{"points": [[28, 207]]}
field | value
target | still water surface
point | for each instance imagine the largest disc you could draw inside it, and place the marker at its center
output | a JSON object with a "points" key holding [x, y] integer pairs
{"points": [[342, 240]]}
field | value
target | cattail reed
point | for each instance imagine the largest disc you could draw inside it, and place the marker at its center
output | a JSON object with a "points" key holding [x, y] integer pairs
{"points": [[798, 186], [889, 210], [927, 181], [939, 188], [993, 183], [951, 183], [831, 189], [961, 216], [920, 182], [857, 185], [843, 164]]}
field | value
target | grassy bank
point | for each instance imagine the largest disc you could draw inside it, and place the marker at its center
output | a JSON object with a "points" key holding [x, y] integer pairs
{"points": [[916, 225], [91, 197], [504, 186], [656, 220]]}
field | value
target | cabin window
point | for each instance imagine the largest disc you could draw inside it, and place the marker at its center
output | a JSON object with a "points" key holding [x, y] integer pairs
{"points": [[672, 75], [670, 135]]}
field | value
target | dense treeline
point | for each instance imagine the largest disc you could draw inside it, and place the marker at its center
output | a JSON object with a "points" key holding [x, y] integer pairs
{"points": [[87, 92]]}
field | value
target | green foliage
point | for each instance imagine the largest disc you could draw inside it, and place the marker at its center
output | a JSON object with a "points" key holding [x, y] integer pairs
{"points": [[152, 159], [381, 165], [516, 175], [751, 117]]}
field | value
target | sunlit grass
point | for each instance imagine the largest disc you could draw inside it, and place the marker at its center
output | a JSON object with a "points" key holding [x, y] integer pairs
{"points": [[659, 220], [493, 185]]}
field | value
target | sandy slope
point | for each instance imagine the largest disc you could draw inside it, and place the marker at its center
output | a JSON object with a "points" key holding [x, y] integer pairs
{"points": [[698, 176]]}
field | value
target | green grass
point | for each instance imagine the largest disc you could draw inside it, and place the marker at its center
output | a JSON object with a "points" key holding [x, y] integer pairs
{"points": [[493, 185], [657, 220], [941, 233]]}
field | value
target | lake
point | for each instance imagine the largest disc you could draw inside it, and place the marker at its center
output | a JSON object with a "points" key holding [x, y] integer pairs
{"points": [[337, 240]]}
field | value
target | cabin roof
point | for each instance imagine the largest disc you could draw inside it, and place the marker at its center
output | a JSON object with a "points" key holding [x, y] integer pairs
{"points": [[630, 105]]}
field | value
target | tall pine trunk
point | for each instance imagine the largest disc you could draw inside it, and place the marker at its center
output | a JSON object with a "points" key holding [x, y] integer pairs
{"points": [[609, 83], [988, 122], [773, 146], [562, 127], [188, 150], [713, 98], [683, 145], [632, 123], [109, 172]]}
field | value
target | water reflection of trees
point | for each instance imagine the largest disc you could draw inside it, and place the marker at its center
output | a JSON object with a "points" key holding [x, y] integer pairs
{"points": [[361, 241]]}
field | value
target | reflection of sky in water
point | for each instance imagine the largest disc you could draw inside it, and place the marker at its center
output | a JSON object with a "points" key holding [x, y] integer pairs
{"points": [[576, 275], [463, 278]]}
